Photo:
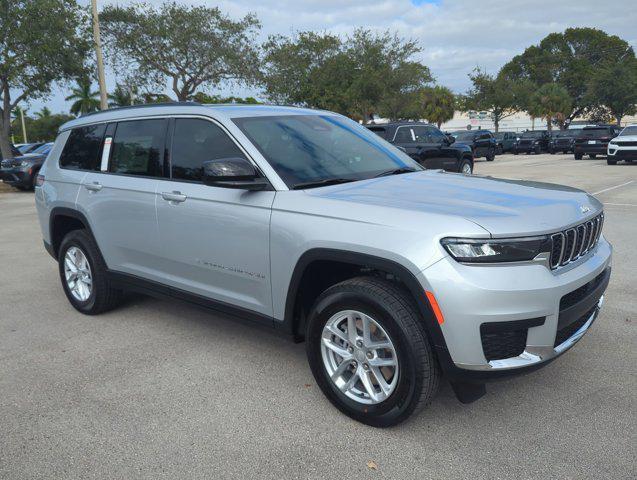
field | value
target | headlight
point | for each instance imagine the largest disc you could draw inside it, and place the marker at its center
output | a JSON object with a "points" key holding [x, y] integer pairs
{"points": [[613, 142], [537, 141], [496, 250], [25, 163]]}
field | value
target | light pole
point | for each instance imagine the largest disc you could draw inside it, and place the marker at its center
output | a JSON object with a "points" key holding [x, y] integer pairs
{"points": [[24, 128], [98, 53]]}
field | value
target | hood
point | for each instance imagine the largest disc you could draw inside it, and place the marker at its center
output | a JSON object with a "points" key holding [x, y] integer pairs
{"points": [[502, 207], [625, 138]]}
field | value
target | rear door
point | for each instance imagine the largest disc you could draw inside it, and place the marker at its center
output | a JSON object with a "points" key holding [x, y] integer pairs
{"points": [[119, 199], [215, 241]]}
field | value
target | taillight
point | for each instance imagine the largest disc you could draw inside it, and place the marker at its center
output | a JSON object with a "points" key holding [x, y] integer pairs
{"points": [[39, 180]]}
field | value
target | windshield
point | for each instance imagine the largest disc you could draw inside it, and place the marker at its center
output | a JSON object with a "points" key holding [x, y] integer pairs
{"points": [[43, 148], [535, 134], [463, 135], [631, 130], [315, 148], [564, 133]]}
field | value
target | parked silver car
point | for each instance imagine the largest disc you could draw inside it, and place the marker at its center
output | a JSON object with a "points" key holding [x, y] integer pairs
{"points": [[308, 223]]}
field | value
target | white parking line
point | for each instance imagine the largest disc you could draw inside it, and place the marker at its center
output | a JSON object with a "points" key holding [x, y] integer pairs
{"points": [[621, 204], [613, 188]]}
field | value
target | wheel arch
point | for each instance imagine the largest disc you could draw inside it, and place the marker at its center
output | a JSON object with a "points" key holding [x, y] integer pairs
{"points": [[62, 220], [301, 289]]}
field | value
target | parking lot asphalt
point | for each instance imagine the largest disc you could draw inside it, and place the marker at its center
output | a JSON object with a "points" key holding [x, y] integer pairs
{"points": [[156, 389]]}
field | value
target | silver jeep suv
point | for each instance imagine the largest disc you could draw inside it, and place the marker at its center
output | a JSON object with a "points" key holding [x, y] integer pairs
{"points": [[308, 223]]}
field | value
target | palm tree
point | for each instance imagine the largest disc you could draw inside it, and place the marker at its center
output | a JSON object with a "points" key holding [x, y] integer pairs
{"points": [[122, 96], [85, 100], [44, 113], [551, 102], [438, 104]]}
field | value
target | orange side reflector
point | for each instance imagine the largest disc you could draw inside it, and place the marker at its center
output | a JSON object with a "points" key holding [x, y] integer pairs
{"points": [[435, 307]]}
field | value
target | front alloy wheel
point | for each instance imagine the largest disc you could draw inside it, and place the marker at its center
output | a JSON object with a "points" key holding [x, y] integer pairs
{"points": [[359, 357]]}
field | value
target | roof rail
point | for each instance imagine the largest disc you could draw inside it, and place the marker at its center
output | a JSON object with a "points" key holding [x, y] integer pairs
{"points": [[144, 105]]}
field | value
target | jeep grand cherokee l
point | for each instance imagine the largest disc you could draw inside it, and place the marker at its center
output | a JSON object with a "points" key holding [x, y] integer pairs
{"points": [[310, 224], [536, 141], [427, 145], [481, 142]]}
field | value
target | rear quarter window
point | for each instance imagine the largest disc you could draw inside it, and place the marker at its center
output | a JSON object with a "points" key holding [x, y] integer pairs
{"points": [[83, 147]]}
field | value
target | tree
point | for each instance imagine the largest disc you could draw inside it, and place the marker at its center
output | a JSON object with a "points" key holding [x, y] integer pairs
{"points": [[205, 98], [44, 113], [615, 86], [497, 95], [359, 75], [438, 104], [190, 46], [85, 100], [42, 42], [551, 102], [570, 59], [123, 95], [42, 128]]}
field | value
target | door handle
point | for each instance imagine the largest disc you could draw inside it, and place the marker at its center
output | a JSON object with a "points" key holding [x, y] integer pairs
{"points": [[93, 187], [173, 196]]}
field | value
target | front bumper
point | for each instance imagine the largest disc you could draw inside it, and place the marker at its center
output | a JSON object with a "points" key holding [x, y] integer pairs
{"points": [[16, 176], [622, 153], [526, 297]]}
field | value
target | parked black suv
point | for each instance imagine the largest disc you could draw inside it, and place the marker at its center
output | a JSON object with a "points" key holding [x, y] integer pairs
{"points": [[427, 145], [593, 140], [562, 141], [21, 171], [536, 141], [481, 142]]}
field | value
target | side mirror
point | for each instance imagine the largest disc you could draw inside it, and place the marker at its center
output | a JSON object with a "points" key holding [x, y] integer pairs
{"points": [[234, 172], [450, 139]]}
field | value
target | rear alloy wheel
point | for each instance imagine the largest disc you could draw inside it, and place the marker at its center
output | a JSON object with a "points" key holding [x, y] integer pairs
{"points": [[538, 150], [369, 353], [466, 167], [491, 155], [83, 274]]}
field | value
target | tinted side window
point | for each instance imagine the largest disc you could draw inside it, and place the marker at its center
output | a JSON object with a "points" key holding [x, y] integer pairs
{"points": [[403, 135], [196, 141], [435, 135], [82, 149], [137, 148]]}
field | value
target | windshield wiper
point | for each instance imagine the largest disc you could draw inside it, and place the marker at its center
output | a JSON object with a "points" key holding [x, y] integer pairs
{"points": [[320, 183], [396, 171]]}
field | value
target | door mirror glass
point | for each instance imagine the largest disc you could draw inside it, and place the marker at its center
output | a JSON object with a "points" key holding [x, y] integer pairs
{"points": [[234, 172]]}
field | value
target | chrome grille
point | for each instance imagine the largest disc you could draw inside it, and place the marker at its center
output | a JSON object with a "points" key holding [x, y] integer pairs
{"points": [[569, 245]]}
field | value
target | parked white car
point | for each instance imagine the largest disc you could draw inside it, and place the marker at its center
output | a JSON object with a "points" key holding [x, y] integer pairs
{"points": [[624, 146]]}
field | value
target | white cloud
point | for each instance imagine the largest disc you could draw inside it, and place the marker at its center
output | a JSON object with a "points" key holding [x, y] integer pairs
{"points": [[456, 35]]}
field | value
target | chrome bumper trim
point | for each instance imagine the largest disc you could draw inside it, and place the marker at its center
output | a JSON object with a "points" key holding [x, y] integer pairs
{"points": [[533, 355]]}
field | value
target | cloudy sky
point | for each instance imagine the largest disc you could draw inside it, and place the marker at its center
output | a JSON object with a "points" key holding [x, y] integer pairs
{"points": [[456, 35]]}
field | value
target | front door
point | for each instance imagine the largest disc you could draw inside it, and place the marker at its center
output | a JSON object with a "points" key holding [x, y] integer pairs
{"points": [[215, 241]]}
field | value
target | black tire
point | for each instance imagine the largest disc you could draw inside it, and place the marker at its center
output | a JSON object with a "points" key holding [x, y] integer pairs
{"points": [[515, 152], [499, 150], [394, 310], [552, 152], [462, 165], [490, 155], [564, 152], [538, 150], [592, 155], [578, 156], [611, 162], [103, 296]]}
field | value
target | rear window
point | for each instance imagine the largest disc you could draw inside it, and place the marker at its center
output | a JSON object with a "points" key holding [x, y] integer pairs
{"points": [[380, 131], [82, 149], [595, 132]]}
